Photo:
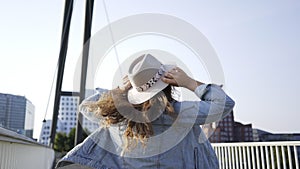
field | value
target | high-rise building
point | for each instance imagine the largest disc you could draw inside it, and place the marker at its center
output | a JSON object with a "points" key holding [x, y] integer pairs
{"points": [[17, 114], [242, 132], [228, 130], [222, 131], [67, 119], [68, 115], [68, 111], [46, 131]]}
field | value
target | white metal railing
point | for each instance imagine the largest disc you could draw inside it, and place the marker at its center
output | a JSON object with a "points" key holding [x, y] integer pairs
{"points": [[258, 155]]}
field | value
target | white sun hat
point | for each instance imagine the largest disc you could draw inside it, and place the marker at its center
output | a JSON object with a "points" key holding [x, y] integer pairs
{"points": [[145, 75]]}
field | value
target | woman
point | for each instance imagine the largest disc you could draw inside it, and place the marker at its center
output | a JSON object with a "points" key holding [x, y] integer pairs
{"points": [[144, 127]]}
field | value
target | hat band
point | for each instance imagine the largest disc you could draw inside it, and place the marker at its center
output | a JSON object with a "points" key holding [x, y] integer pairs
{"points": [[152, 81]]}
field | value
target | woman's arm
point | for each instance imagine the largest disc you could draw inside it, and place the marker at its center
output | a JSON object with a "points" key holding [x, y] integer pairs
{"points": [[177, 77], [214, 105], [88, 106]]}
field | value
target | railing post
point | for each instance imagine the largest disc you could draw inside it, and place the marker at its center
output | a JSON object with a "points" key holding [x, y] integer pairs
{"points": [[244, 157], [241, 159], [257, 156], [219, 155], [253, 157], [290, 157], [267, 157], [229, 157], [277, 157], [234, 157], [272, 157], [248, 157], [226, 157], [296, 157], [263, 157], [283, 157], [222, 155]]}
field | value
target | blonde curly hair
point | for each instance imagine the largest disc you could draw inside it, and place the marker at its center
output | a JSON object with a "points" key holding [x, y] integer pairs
{"points": [[109, 104]]}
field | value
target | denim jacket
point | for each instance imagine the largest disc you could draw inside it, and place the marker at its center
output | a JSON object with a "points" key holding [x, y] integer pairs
{"points": [[190, 150]]}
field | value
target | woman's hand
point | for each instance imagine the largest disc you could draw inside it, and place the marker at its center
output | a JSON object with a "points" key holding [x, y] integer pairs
{"points": [[177, 77], [126, 84]]}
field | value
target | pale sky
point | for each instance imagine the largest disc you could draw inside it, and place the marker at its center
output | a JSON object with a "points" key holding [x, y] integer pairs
{"points": [[257, 43]]}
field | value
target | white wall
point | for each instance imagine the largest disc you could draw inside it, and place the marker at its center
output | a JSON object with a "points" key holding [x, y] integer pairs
{"points": [[25, 156]]}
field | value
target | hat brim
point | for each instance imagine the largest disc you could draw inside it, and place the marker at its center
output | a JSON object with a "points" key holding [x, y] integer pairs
{"points": [[136, 97]]}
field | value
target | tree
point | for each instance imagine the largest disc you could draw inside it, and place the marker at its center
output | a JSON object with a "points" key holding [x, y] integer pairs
{"points": [[60, 142], [64, 142], [71, 136]]}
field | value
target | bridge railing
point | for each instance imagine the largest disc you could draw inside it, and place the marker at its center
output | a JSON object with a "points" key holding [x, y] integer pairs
{"points": [[258, 155]]}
